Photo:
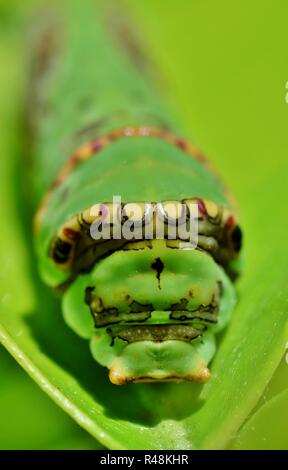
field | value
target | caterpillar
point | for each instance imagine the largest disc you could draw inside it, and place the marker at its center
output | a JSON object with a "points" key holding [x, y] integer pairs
{"points": [[100, 132]]}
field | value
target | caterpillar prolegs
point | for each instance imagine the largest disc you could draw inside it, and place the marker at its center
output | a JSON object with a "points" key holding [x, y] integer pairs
{"points": [[132, 223]]}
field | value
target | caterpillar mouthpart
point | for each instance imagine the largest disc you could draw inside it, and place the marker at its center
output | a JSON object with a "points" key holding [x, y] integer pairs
{"points": [[168, 361]]}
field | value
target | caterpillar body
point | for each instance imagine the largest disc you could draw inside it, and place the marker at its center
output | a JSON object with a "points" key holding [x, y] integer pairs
{"points": [[149, 305]]}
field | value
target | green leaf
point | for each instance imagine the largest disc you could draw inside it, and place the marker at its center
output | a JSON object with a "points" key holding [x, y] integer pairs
{"points": [[267, 429], [266, 426], [172, 416], [29, 419]]}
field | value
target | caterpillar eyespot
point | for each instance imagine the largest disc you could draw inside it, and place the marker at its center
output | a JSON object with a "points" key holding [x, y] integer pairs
{"points": [[157, 299]]}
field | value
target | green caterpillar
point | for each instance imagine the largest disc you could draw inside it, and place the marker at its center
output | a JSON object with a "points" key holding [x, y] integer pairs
{"points": [[150, 306]]}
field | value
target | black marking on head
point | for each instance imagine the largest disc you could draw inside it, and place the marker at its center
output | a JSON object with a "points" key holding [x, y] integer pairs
{"points": [[88, 295], [158, 266], [110, 315], [61, 251], [203, 313], [221, 288], [157, 333], [136, 307], [236, 237], [182, 305]]}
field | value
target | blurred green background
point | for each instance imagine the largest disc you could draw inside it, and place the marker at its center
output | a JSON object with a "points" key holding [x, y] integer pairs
{"points": [[225, 68]]}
